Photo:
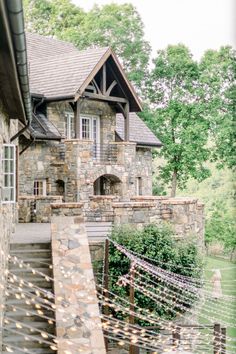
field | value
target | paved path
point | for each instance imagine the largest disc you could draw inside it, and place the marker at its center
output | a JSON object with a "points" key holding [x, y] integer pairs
{"points": [[31, 233], [41, 233]]}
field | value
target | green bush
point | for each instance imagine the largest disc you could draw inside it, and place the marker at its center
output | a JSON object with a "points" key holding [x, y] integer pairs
{"points": [[158, 244], [221, 227]]}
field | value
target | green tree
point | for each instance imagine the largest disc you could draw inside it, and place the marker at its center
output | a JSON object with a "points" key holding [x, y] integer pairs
{"points": [[177, 116], [52, 17], [158, 244], [221, 226], [218, 78], [117, 26]]}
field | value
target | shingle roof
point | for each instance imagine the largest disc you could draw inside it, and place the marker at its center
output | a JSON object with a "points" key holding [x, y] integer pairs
{"points": [[42, 128], [58, 69], [63, 74], [139, 132], [40, 47]]}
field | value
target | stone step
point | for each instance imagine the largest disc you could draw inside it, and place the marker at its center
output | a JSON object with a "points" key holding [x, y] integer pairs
{"points": [[31, 246], [32, 255], [35, 327], [35, 351], [33, 342], [42, 284], [21, 315], [10, 304], [38, 256], [21, 272]]}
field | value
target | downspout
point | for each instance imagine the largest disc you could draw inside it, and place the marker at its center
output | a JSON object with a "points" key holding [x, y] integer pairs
{"points": [[38, 104], [16, 20]]}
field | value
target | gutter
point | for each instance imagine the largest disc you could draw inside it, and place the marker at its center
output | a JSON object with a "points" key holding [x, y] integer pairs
{"points": [[16, 20]]}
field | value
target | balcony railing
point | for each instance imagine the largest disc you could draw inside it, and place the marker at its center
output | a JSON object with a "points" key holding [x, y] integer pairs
{"points": [[105, 153]]}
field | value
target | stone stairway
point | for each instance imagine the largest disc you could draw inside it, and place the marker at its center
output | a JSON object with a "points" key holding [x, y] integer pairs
{"points": [[29, 322]]}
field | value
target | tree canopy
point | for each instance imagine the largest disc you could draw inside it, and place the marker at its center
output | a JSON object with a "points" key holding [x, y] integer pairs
{"points": [[117, 26], [218, 77], [177, 115]]}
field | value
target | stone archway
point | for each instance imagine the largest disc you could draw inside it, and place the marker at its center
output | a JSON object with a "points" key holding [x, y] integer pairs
{"points": [[107, 185]]}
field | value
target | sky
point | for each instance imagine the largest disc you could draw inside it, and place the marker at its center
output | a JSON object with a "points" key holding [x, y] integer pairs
{"points": [[199, 24]]}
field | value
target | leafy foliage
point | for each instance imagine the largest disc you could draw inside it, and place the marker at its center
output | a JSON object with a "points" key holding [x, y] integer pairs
{"points": [[158, 244], [118, 26], [218, 77], [221, 226], [177, 116]]}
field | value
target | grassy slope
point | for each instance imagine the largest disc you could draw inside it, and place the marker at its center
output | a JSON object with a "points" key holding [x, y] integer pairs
{"points": [[220, 186], [229, 288]]}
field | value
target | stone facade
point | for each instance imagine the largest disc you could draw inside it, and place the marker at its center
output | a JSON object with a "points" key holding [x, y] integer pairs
{"points": [[114, 168], [7, 210], [78, 321]]}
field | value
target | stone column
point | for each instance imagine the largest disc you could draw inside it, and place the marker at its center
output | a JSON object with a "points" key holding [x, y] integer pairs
{"points": [[78, 325]]}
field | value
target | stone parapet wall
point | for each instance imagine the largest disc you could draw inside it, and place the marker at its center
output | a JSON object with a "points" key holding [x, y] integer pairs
{"points": [[36, 208], [78, 321]]}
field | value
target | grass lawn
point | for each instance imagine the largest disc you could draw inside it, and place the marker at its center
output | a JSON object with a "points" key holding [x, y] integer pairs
{"points": [[221, 310]]}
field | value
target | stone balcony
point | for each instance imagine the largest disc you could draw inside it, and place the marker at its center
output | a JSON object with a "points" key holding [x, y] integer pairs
{"points": [[107, 153]]}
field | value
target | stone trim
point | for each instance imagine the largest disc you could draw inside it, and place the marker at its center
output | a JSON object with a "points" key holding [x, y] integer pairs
{"points": [[133, 205], [66, 205], [77, 313]]}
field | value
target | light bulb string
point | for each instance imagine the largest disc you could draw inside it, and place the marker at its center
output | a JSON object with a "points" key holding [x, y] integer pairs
{"points": [[154, 297], [139, 255], [23, 325], [181, 295], [9, 348], [30, 300], [156, 321], [144, 331], [159, 272]]}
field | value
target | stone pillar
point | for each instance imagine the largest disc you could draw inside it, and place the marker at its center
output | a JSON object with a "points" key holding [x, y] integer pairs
{"points": [[78, 324]]}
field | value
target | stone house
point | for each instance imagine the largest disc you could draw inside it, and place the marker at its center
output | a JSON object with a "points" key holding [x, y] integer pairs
{"points": [[83, 154], [86, 139]]}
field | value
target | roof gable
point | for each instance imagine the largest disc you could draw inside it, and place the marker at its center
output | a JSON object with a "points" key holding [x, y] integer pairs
{"points": [[58, 70]]}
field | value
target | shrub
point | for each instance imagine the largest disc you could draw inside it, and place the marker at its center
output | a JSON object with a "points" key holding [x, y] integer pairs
{"points": [[156, 243]]}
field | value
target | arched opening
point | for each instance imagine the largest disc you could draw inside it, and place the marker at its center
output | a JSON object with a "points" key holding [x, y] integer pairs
{"points": [[107, 185], [60, 187]]}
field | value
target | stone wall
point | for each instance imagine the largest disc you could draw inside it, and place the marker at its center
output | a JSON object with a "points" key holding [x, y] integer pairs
{"points": [[78, 323], [36, 208], [186, 215], [7, 211]]}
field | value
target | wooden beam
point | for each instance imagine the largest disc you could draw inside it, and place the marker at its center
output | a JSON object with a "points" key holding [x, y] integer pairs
{"points": [[126, 132], [112, 85], [77, 119], [121, 108], [104, 79], [118, 82], [105, 98], [96, 87]]}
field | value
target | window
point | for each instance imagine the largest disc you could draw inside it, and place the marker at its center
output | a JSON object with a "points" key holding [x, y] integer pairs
{"points": [[139, 186], [40, 187], [90, 128], [9, 173], [86, 133], [69, 125]]}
